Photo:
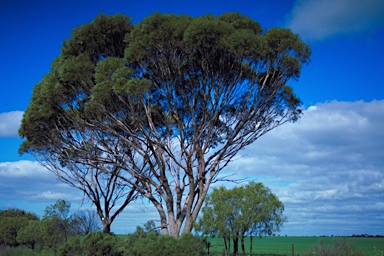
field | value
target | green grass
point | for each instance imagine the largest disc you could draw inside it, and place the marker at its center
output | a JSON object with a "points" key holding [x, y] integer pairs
{"points": [[283, 245]]}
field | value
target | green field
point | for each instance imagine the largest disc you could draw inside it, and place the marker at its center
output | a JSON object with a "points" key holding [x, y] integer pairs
{"points": [[283, 245]]}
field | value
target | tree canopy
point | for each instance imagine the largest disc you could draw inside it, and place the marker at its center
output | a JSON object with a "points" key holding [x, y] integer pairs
{"points": [[163, 105], [239, 212]]}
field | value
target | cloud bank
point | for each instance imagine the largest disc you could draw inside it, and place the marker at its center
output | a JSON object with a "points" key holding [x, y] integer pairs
{"points": [[319, 19], [327, 169], [29, 181], [10, 123]]}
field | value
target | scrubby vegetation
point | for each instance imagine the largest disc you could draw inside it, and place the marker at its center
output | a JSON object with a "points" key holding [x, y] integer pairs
{"points": [[21, 230], [64, 234], [141, 242], [339, 247]]}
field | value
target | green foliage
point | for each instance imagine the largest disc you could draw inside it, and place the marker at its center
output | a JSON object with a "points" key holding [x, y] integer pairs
{"points": [[9, 228], [95, 243], [57, 223], [137, 241], [19, 227], [136, 244], [170, 82], [161, 245], [162, 49], [18, 213], [72, 247], [239, 212], [71, 77], [103, 36], [31, 234], [99, 244], [11, 221]]}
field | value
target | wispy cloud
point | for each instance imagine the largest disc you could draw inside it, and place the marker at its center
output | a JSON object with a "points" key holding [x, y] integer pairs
{"points": [[318, 19], [54, 196], [10, 123]]}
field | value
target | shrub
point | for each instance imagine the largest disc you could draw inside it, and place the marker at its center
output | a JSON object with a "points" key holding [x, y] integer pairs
{"points": [[339, 247], [94, 244], [9, 228], [186, 245], [140, 243], [30, 234], [71, 248]]}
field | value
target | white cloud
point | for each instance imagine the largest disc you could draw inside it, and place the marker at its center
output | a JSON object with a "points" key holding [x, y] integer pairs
{"points": [[318, 19], [327, 166], [10, 123], [22, 169]]}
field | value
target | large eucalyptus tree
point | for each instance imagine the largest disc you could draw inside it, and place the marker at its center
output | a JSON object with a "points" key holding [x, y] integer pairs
{"points": [[168, 115]]}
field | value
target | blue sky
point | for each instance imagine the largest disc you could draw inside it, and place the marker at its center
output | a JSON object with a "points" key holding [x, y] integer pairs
{"points": [[328, 168]]}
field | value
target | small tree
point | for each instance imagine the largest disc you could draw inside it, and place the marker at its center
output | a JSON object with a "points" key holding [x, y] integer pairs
{"points": [[241, 211], [86, 221], [58, 224]]}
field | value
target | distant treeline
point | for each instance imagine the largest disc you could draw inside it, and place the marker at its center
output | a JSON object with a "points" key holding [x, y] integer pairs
{"points": [[354, 235], [366, 235]]}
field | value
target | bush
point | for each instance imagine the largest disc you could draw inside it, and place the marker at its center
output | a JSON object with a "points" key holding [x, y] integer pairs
{"points": [[30, 234], [339, 247], [9, 228], [186, 245], [190, 245], [140, 243], [94, 244], [71, 248]]}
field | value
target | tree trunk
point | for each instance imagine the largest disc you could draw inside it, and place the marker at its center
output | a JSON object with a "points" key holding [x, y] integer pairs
{"points": [[242, 245], [227, 249], [192, 217], [174, 227], [106, 226], [188, 225], [235, 246]]}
